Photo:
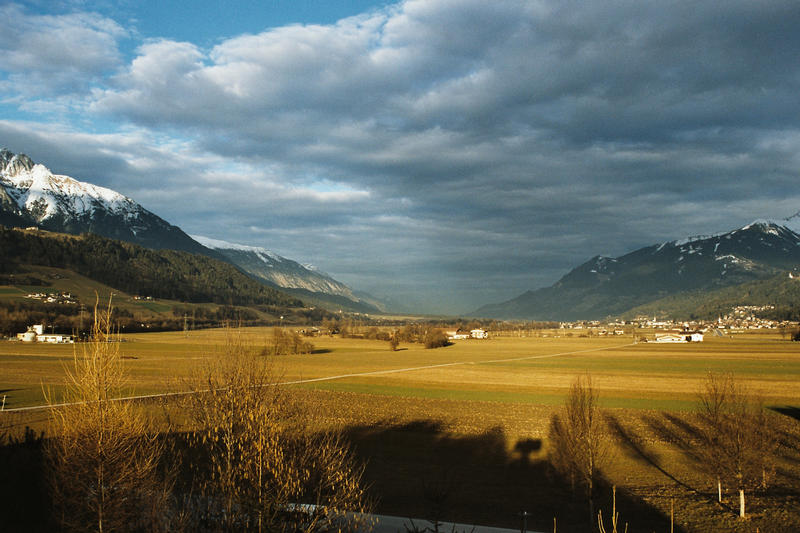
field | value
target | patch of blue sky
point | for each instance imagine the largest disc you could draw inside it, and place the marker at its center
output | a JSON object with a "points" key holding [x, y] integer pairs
{"points": [[206, 22]]}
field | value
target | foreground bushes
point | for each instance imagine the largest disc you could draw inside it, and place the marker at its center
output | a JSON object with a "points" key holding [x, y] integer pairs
{"points": [[250, 461]]}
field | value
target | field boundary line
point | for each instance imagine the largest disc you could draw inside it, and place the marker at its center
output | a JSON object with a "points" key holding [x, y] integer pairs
{"points": [[330, 378]]}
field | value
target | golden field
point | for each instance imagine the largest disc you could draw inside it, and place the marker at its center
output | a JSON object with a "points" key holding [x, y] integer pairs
{"points": [[473, 416], [507, 370]]}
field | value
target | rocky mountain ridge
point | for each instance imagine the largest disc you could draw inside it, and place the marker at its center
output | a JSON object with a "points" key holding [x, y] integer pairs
{"points": [[311, 283]]}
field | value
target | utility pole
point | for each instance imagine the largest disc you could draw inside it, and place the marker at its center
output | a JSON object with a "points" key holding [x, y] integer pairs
{"points": [[185, 326]]}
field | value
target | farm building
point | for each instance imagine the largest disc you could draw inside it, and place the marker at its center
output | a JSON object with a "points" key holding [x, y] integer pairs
{"points": [[461, 334], [479, 334], [36, 333], [686, 336], [56, 338], [456, 334]]}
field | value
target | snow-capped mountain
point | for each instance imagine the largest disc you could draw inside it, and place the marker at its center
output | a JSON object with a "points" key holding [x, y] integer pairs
{"points": [[31, 195], [288, 274], [606, 286]]}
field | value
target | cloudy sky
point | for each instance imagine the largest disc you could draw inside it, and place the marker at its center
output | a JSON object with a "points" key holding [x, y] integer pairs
{"points": [[446, 153]]}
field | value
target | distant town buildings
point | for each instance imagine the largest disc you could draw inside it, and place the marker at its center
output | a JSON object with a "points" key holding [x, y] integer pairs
{"points": [[53, 298]]}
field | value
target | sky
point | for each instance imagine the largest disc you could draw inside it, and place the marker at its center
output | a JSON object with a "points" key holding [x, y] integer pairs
{"points": [[442, 153]]}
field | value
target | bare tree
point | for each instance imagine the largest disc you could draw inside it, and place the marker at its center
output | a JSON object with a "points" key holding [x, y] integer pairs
{"points": [[738, 441], [102, 458], [578, 438], [715, 398], [264, 468]]}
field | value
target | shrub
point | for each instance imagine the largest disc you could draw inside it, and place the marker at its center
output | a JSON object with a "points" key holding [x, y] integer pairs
{"points": [[435, 339]]}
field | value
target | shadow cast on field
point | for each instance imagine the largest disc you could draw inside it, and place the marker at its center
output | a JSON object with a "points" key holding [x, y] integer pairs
{"points": [[321, 351], [633, 446], [684, 435], [788, 410], [420, 469]]}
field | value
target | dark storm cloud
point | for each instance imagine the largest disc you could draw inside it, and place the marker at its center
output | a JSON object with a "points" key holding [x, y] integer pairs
{"points": [[471, 148]]}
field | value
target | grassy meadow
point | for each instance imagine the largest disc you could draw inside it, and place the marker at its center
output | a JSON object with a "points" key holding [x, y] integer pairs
{"points": [[503, 370], [473, 416]]}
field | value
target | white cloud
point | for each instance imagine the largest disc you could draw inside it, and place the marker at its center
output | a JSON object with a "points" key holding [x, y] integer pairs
{"points": [[56, 54]]}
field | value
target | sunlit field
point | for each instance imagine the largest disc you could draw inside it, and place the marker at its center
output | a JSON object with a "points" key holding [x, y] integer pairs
{"points": [[502, 370], [475, 414]]}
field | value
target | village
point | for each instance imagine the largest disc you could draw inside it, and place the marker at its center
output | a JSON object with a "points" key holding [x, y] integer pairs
{"points": [[645, 329]]}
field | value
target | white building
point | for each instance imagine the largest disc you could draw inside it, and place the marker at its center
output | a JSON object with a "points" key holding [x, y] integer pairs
{"points": [[36, 333], [55, 338], [479, 334], [693, 336]]}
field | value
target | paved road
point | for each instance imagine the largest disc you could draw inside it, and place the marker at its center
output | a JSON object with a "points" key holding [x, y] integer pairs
{"points": [[397, 524]]}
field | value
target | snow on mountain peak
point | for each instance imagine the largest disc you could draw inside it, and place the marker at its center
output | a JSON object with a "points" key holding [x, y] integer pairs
{"points": [[44, 194]]}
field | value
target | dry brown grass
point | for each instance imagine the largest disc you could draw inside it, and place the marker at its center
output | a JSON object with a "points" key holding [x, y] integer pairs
{"points": [[466, 404]]}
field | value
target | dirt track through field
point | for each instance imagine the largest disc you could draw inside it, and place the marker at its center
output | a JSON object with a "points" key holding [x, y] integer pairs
{"points": [[346, 376]]}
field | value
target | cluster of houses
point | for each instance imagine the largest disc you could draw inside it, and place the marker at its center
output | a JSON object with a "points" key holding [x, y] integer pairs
{"points": [[36, 333], [52, 298]]}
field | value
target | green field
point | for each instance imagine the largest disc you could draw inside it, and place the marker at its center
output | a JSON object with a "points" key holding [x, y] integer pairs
{"points": [[471, 410]]}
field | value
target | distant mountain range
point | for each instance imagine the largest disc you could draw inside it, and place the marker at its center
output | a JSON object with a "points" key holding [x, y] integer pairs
{"points": [[32, 196], [681, 271], [303, 281], [674, 277]]}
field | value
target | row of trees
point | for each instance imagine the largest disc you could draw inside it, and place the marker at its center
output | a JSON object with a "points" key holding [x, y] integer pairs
{"points": [[430, 336], [248, 462], [734, 439]]}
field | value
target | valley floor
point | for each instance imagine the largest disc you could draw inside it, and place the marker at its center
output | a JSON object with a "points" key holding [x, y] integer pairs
{"points": [[460, 433]]}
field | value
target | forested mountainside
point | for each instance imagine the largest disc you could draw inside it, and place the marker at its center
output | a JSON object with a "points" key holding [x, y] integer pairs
{"points": [[166, 274]]}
